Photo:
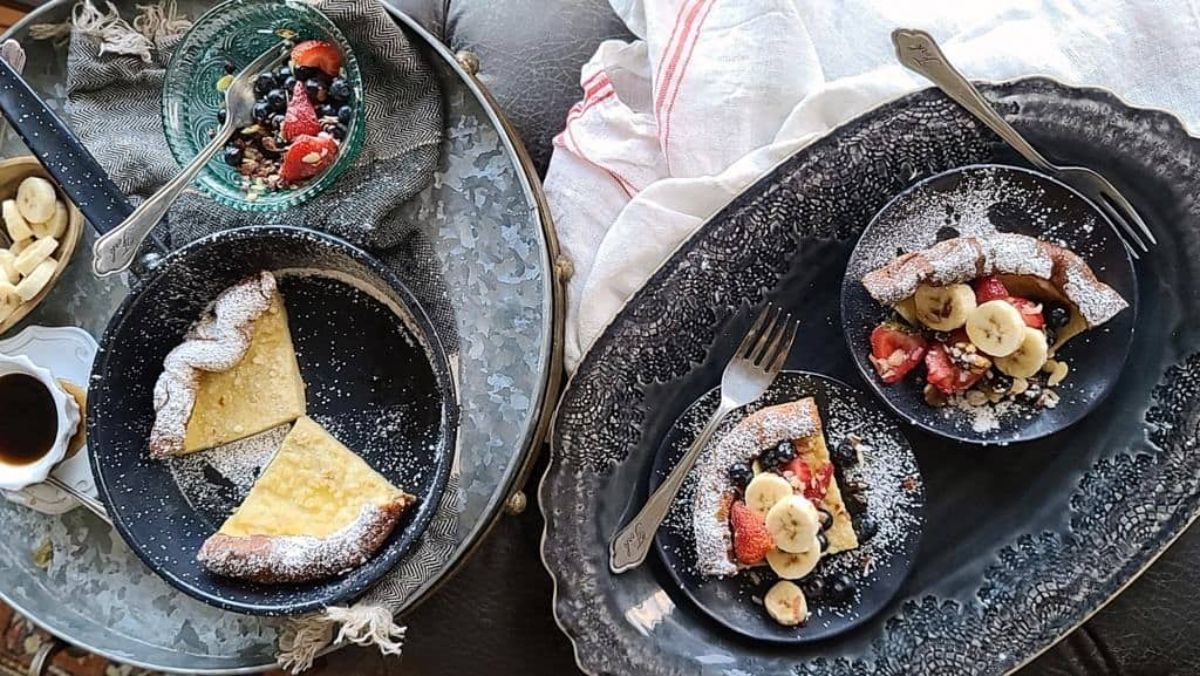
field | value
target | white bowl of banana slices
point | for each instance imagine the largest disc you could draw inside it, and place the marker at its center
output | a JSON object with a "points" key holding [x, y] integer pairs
{"points": [[41, 229]]}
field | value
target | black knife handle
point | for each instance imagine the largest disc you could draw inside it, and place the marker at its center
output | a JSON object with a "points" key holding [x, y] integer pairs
{"points": [[77, 172]]}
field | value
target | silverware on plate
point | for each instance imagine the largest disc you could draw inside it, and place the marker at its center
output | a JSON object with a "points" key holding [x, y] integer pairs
{"points": [[750, 372], [114, 251], [92, 504], [919, 52]]}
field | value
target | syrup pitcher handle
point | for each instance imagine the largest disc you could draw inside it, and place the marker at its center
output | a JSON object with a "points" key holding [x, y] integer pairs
{"points": [[66, 159]]}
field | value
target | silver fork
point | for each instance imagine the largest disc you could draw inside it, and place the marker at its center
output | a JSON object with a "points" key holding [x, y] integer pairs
{"points": [[749, 373], [114, 251], [919, 52], [92, 504]]}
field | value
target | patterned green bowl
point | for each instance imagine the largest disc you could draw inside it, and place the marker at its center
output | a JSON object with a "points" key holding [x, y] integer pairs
{"points": [[236, 32]]}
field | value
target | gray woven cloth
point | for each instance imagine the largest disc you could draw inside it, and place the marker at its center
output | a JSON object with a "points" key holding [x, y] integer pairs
{"points": [[115, 72], [114, 103]]}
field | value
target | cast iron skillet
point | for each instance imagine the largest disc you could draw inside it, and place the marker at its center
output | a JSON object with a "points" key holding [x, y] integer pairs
{"points": [[376, 373], [1007, 199]]}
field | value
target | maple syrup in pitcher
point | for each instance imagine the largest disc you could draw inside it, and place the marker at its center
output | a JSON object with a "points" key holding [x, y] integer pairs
{"points": [[28, 419]]}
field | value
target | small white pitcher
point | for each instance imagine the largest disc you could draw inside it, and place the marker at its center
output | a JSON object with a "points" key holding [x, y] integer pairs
{"points": [[16, 477]]}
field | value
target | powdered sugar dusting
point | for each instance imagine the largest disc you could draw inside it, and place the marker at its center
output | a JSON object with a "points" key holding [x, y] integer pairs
{"points": [[216, 343], [238, 463], [743, 443]]}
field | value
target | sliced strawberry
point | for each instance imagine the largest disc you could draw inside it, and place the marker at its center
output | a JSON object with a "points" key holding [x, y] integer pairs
{"points": [[300, 118], [945, 375], [318, 54], [1030, 311], [895, 351], [306, 157], [751, 541], [801, 474], [813, 484], [989, 288]]}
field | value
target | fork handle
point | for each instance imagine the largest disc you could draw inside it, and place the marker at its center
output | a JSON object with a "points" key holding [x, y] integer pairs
{"points": [[632, 543], [115, 250], [919, 52]]}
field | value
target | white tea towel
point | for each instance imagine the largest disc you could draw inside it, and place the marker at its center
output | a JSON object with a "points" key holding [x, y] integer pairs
{"points": [[713, 93]]}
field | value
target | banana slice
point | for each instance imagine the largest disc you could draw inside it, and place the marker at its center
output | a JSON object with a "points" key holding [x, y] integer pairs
{"points": [[19, 246], [34, 254], [1029, 357], [9, 300], [56, 227], [766, 489], [18, 228], [793, 566], [8, 270], [907, 309], [794, 523], [37, 280], [944, 308], [786, 604], [996, 328], [36, 198]]}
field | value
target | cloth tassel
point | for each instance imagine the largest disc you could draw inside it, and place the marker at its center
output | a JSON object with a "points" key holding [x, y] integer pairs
{"points": [[303, 638], [117, 36]]}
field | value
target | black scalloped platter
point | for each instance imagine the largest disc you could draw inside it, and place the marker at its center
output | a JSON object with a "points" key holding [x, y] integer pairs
{"points": [[886, 484], [976, 200], [1021, 543]]}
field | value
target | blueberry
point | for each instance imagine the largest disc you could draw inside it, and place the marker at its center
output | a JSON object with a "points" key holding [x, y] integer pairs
{"points": [[866, 528], [1051, 335], [815, 588], [283, 73], [304, 72], [313, 89], [344, 114], [785, 451], [740, 474], [339, 90], [856, 503], [844, 454], [1057, 316], [289, 84], [822, 542], [325, 110], [221, 115], [233, 156], [841, 586], [277, 99], [1032, 393], [338, 132], [825, 517], [1001, 383], [262, 111], [264, 83], [229, 68], [277, 120]]}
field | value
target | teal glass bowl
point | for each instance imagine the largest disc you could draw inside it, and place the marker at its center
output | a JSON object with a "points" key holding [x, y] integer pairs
{"points": [[236, 32]]}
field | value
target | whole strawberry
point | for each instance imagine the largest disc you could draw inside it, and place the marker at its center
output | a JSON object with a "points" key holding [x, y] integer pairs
{"points": [[300, 118], [751, 541]]}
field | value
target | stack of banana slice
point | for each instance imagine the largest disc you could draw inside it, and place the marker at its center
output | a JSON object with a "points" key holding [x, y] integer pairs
{"points": [[793, 523], [995, 327], [36, 221]]}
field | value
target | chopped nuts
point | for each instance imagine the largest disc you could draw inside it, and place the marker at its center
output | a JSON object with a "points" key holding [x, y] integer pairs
{"points": [[1060, 371]]}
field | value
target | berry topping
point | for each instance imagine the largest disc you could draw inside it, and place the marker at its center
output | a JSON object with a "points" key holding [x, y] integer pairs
{"points": [[845, 453], [339, 90], [948, 375], [1030, 311], [740, 474], [895, 351], [751, 541], [840, 587], [300, 119], [1057, 316], [306, 157], [815, 588], [264, 83], [277, 100], [822, 542], [344, 114], [232, 156], [866, 528], [318, 54], [990, 288]]}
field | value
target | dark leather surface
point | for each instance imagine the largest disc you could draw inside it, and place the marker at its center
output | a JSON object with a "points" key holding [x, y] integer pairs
{"points": [[496, 611]]}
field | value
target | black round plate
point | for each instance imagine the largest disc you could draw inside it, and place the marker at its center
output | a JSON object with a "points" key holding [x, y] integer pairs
{"points": [[377, 377], [983, 198], [895, 502]]}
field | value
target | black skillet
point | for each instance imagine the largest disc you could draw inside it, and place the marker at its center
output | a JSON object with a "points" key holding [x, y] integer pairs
{"points": [[376, 373]]}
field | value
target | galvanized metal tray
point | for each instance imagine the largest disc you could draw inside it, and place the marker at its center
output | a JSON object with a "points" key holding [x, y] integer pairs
{"points": [[491, 241]]}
